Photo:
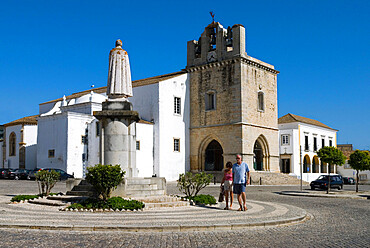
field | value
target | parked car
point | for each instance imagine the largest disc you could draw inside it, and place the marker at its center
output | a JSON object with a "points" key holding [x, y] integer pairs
{"points": [[32, 174], [19, 174], [6, 172], [336, 181], [63, 175], [3, 173], [349, 180]]}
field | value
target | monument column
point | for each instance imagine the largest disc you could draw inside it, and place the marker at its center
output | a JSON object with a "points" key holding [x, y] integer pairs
{"points": [[118, 139]]}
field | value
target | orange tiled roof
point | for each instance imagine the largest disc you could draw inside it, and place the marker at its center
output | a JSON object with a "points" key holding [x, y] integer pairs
{"points": [[289, 118], [29, 120]]}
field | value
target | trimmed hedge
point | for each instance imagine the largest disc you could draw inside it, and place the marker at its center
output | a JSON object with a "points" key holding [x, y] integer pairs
{"points": [[115, 203], [204, 199]]}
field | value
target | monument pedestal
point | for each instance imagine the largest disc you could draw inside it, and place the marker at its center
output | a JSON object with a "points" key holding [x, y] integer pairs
{"points": [[118, 135]]}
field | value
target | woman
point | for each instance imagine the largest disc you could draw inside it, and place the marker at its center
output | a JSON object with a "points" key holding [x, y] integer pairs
{"points": [[227, 181]]}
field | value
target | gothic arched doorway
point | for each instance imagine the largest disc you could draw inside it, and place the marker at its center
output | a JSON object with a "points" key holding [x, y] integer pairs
{"points": [[258, 156], [214, 160]]}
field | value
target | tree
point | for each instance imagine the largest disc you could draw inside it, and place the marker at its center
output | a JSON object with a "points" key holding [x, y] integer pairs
{"points": [[46, 181], [359, 161], [190, 184], [104, 178], [332, 156]]}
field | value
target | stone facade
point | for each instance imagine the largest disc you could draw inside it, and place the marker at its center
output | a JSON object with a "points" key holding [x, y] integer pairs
{"points": [[225, 89]]}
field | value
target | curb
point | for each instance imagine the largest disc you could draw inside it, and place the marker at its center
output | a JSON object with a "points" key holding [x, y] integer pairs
{"points": [[358, 197], [175, 228]]}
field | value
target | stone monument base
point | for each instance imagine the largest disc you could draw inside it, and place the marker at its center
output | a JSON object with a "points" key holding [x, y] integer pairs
{"points": [[132, 187]]}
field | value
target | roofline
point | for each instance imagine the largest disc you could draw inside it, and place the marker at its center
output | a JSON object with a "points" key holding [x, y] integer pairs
{"points": [[136, 83]]}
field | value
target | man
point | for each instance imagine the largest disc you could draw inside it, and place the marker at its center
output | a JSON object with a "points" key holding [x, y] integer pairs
{"points": [[241, 177]]}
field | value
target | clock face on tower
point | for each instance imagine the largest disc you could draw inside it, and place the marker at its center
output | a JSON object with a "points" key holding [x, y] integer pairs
{"points": [[211, 56]]}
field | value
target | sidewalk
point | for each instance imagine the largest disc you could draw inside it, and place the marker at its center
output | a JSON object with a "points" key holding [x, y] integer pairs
{"points": [[362, 195]]}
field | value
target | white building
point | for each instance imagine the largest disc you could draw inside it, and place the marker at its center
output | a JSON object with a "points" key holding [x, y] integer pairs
{"points": [[68, 133], [300, 139]]}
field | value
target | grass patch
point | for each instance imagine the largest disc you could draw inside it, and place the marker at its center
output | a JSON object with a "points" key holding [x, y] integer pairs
{"points": [[115, 203], [19, 198]]}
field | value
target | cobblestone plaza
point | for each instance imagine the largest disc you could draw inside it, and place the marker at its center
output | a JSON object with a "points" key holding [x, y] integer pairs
{"points": [[334, 223]]}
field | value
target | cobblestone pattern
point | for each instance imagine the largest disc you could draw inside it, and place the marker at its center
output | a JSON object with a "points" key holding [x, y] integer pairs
{"points": [[335, 223]]}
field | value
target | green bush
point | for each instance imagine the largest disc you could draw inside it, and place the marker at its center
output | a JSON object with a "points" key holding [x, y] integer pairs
{"points": [[46, 181], [19, 198], [104, 178], [112, 203], [204, 199], [190, 184]]}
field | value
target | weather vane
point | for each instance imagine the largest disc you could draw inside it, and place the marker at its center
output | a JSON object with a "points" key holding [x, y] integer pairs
{"points": [[213, 16]]}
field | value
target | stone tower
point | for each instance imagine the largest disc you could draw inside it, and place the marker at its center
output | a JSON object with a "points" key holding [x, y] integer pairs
{"points": [[233, 105]]}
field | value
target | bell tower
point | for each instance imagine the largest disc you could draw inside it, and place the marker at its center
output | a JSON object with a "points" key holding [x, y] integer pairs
{"points": [[233, 102]]}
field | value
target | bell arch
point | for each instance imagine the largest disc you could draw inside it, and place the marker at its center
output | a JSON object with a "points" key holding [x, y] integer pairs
{"points": [[261, 154], [211, 154]]}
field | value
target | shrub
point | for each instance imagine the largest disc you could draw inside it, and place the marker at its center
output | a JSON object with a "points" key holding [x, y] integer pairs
{"points": [[104, 178], [190, 184], [46, 181], [204, 199], [19, 198], [112, 203]]}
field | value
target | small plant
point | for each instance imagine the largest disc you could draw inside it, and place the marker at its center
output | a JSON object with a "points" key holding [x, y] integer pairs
{"points": [[190, 184], [204, 199], [19, 198], [104, 178], [46, 181], [115, 203]]}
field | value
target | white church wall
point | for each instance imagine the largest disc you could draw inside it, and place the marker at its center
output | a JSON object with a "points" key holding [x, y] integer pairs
{"points": [[144, 155], [173, 126], [30, 138], [52, 135], [13, 161], [145, 101], [94, 144], [77, 124]]}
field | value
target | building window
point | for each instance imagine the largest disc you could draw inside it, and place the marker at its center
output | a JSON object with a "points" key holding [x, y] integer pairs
{"points": [[177, 105], [176, 145], [330, 143], [315, 144], [97, 128], [285, 139], [261, 101], [51, 153], [12, 141], [322, 142], [306, 146], [84, 139], [211, 100], [138, 145]]}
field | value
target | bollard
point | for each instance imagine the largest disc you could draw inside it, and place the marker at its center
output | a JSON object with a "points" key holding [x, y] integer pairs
{"points": [[214, 180], [260, 180]]}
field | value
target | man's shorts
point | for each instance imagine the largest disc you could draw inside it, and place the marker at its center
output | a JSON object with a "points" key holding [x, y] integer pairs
{"points": [[239, 188], [228, 185]]}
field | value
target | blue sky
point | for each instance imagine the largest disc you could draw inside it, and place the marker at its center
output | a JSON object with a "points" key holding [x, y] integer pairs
{"points": [[321, 48]]}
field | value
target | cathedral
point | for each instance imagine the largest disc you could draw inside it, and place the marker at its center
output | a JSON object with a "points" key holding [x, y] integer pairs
{"points": [[222, 104]]}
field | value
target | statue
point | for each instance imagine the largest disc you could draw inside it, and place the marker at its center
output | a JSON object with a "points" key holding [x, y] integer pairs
{"points": [[119, 74]]}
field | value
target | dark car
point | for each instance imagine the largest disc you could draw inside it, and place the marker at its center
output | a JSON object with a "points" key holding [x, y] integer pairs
{"points": [[3, 173], [32, 174], [322, 182], [19, 174], [349, 180], [63, 175]]}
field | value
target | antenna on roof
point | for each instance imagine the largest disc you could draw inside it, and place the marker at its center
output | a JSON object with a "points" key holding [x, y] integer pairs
{"points": [[213, 16]]}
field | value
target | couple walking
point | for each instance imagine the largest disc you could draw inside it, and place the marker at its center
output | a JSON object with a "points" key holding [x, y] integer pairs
{"points": [[235, 179]]}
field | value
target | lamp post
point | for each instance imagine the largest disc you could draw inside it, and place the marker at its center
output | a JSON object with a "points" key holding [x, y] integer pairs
{"points": [[300, 162]]}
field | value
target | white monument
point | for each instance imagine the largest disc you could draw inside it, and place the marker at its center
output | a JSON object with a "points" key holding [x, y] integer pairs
{"points": [[118, 142]]}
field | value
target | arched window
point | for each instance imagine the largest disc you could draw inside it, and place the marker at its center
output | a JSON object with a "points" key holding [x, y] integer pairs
{"points": [[12, 141], [261, 101]]}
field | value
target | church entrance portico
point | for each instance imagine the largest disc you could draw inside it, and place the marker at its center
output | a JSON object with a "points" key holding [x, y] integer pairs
{"points": [[213, 157]]}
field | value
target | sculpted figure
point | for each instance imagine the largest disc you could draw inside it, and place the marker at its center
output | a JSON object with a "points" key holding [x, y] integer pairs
{"points": [[119, 75]]}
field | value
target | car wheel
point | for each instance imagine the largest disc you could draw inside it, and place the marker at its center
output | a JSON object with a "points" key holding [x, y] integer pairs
{"points": [[16, 178], [28, 178], [340, 187], [312, 188]]}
